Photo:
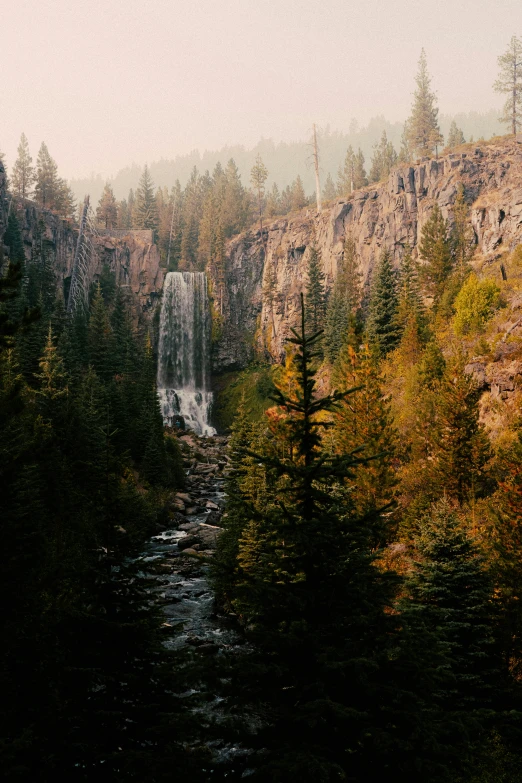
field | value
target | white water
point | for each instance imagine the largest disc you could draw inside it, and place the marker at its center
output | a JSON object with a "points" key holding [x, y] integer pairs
{"points": [[183, 355]]}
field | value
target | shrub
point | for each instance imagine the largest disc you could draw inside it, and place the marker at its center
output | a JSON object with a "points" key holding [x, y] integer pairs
{"points": [[475, 304]]}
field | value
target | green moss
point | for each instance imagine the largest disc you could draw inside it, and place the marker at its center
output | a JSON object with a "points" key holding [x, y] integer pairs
{"points": [[257, 385]]}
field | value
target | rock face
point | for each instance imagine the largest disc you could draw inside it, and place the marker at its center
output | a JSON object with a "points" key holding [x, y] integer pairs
{"points": [[391, 214], [3, 201], [133, 257]]}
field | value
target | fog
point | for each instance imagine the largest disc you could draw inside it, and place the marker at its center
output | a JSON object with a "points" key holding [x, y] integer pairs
{"points": [[106, 83]]}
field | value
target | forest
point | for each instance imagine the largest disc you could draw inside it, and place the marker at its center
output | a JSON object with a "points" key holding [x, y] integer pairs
{"points": [[367, 577]]}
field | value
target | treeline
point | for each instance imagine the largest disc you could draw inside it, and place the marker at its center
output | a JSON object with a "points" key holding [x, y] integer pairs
{"points": [[372, 540], [191, 224], [85, 470]]}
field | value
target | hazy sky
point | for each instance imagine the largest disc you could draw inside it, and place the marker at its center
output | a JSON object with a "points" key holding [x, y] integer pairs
{"points": [[108, 82]]}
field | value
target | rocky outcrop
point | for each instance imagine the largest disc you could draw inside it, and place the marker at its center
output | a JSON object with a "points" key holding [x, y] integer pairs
{"points": [[390, 215], [133, 257]]}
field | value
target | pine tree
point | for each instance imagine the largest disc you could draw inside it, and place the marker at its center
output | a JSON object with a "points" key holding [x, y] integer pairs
{"points": [[298, 196], [329, 190], [107, 211], [346, 174], [363, 421], [435, 251], [410, 304], [460, 447], [100, 337], [47, 186], [234, 201], [510, 83], [359, 173], [342, 310], [315, 293], [451, 592], [462, 235], [273, 202], [258, 178], [382, 326], [455, 136], [146, 210], [422, 126], [384, 159], [23, 175]]}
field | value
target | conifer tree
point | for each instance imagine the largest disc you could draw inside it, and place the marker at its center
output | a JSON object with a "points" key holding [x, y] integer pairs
{"points": [[382, 326], [460, 447], [100, 337], [23, 175], [363, 421], [510, 83], [462, 235], [451, 592], [384, 158], [329, 190], [346, 174], [107, 211], [258, 178], [423, 126], [315, 293], [46, 188], [298, 197], [435, 251], [455, 136], [273, 202], [359, 173], [342, 310], [146, 210]]}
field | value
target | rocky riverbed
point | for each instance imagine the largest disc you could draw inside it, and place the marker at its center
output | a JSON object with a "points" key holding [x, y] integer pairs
{"points": [[177, 563]]}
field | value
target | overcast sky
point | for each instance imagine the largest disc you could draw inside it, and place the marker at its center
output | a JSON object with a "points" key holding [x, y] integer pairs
{"points": [[108, 82]]}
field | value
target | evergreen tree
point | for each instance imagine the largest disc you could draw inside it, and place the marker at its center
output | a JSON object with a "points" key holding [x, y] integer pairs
{"points": [[47, 186], [23, 176], [273, 202], [382, 326], [510, 83], [329, 190], [460, 446], [298, 196], [384, 159], [462, 235], [450, 591], [359, 172], [455, 136], [13, 240], [435, 251], [422, 126], [100, 337], [315, 293], [146, 210], [107, 211], [258, 178], [343, 303], [346, 174], [363, 421]]}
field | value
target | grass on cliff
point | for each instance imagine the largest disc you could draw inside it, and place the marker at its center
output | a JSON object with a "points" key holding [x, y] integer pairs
{"points": [[255, 382]]}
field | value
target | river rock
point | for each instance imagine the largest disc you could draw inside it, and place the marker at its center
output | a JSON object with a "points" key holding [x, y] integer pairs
{"points": [[188, 541]]}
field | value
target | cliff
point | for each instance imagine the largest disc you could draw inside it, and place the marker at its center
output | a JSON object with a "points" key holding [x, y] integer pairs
{"points": [[132, 257], [390, 214]]}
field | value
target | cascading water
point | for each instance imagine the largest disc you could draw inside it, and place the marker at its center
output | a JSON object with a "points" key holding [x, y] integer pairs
{"points": [[183, 359]]}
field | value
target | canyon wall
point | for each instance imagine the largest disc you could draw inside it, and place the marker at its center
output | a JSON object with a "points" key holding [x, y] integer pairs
{"points": [[390, 214], [131, 256]]}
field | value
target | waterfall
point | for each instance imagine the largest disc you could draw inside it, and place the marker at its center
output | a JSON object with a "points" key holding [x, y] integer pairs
{"points": [[183, 356]]}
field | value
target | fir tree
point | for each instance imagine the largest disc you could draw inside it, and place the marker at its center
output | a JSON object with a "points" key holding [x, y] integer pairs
{"points": [[435, 251], [384, 158], [422, 126], [462, 235], [346, 174], [382, 326], [23, 175], [359, 173], [455, 136], [107, 211], [329, 190], [47, 185], [510, 83], [315, 293], [343, 303], [146, 210], [298, 196]]}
